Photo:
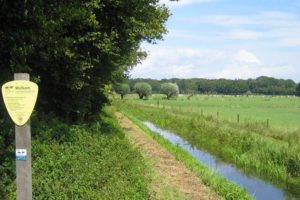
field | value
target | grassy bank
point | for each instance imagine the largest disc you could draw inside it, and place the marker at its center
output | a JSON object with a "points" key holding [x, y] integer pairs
{"points": [[221, 185], [91, 161], [273, 159]]}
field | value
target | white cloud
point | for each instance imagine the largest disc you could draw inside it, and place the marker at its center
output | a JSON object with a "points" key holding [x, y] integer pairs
{"points": [[244, 56], [246, 71], [182, 3], [224, 20], [288, 37], [180, 34], [278, 15], [245, 64], [168, 62], [273, 27], [164, 62], [266, 18], [291, 41], [243, 34]]}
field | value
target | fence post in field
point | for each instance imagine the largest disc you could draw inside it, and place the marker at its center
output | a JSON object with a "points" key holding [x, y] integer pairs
{"points": [[267, 123], [238, 118]]}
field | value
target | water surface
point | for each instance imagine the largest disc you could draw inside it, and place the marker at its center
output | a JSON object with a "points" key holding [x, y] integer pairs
{"points": [[256, 187]]}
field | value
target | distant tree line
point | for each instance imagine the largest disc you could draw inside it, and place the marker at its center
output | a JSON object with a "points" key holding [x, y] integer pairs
{"points": [[261, 85]]}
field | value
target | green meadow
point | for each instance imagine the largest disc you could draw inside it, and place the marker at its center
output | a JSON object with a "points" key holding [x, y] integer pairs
{"points": [[282, 112]]}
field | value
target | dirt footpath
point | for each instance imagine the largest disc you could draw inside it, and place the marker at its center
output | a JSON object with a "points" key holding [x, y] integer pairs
{"points": [[167, 168]]}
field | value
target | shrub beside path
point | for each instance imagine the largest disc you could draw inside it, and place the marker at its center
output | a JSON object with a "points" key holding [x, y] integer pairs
{"points": [[168, 171]]}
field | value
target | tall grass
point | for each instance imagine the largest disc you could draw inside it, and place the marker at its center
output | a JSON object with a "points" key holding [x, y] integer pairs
{"points": [[274, 159]]}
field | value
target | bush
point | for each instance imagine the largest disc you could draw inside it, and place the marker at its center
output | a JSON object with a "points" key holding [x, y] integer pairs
{"points": [[143, 89], [122, 89], [7, 158], [170, 90], [248, 93]]}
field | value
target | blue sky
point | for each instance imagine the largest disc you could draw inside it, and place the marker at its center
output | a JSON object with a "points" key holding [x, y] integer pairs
{"points": [[227, 39]]}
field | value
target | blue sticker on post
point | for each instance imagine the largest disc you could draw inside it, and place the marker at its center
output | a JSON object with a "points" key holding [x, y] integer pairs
{"points": [[21, 154]]}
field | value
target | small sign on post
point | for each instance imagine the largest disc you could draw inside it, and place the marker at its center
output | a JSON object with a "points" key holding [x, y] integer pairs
{"points": [[19, 98], [21, 154]]}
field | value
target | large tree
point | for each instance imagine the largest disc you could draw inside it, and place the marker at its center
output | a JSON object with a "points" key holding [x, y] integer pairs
{"points": [[73, 48]]}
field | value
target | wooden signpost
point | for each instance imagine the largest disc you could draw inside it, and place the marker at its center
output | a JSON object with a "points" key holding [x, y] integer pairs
{"points": [[19, 98]]}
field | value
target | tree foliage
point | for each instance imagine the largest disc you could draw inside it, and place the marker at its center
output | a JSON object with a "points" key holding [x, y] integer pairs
{"points": [[171, 90], [143, 89], [122, 89], [72, 49], [298, 90]]}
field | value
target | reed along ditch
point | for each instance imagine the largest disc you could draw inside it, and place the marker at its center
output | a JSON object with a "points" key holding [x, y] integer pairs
{"points": [[256, 187]]}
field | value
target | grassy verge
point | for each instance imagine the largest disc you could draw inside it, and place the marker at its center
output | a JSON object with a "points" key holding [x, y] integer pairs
{"points": [[221, 185], [94, 161], [273, 159]]}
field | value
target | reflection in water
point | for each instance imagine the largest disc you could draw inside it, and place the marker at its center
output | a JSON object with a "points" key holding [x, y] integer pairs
{"points": [[258, 188]]}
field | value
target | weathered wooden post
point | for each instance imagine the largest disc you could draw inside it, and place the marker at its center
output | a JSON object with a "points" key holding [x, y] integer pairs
{"points": [[19, 97], [23, 143]]}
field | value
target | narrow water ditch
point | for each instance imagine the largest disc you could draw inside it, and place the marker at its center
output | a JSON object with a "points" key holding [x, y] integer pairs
{"points": [[256, 187]]}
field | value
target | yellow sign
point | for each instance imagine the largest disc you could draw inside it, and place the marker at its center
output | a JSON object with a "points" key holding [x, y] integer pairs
{"points": [[19, 98]]}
